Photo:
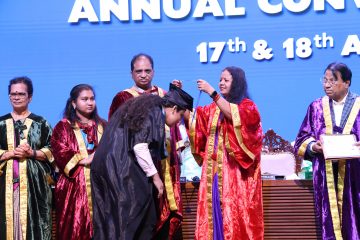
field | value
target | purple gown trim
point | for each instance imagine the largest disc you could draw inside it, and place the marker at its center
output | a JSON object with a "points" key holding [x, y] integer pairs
{"points": [[15, 168], [217, 215]]}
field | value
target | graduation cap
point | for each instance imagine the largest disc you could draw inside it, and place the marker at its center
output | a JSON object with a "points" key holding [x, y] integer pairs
{"points": [[179, 97]]}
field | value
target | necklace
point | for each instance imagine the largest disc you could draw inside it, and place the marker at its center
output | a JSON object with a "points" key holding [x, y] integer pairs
{"points": [[84, 122]]}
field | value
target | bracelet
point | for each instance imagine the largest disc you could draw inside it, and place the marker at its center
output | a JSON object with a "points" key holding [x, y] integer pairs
{"points": [[34, 154], [214, 93], [216, 98]]}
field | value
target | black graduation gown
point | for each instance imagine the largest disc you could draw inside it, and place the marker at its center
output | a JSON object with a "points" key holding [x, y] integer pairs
{"points": [[123, 197]]}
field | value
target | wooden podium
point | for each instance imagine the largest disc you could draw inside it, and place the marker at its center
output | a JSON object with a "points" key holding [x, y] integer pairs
{"points": [[288, 210]]}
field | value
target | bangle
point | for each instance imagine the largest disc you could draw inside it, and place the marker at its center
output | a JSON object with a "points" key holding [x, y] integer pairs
{"points": [[216, 98], [34, 154], [214, 93]]}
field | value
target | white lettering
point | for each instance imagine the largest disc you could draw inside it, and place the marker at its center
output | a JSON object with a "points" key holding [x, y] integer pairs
{"points": [[266, 7], [293, 6], [83, 9], [352, 45], [150, 7], [185, 7], [120, 10], [336, 4], [357, 3], [232, 10], [77, 13], [208, 6]]}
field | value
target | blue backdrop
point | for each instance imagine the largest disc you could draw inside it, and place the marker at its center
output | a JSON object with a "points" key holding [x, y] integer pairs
{"points": [[284, 47]]}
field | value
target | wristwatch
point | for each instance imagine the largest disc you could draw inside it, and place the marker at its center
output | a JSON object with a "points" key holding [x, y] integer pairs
{"points": [[214, 93]]}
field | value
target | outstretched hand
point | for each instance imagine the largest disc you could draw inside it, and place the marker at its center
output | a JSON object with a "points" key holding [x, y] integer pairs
{"points": [[177, 83], [205, 86]]}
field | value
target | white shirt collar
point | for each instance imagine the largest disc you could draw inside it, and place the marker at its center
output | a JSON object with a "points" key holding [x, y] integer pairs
{"points": [[140, 90], [342, 102]]}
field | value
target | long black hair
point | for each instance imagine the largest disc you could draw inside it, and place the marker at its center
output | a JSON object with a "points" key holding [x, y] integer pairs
{"points": [[135, 110], [239, 88], [69, 111]]}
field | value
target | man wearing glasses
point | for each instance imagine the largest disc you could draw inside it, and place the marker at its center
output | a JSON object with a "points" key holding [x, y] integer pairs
{"points": [[170, 205], [336, 183]]}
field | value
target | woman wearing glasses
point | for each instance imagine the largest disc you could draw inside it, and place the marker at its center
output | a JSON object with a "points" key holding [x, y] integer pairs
{"points": [[74, 142], [25, 168]]}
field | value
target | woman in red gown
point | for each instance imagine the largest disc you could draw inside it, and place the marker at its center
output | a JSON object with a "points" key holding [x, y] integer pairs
{"points": [[74, 142], [226, 141]]}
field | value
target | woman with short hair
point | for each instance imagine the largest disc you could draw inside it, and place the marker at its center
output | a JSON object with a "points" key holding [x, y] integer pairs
{"points": [[25, 168]]}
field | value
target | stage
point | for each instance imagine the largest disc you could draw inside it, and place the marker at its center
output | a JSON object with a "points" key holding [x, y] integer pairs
{"points": [[288, 210]]}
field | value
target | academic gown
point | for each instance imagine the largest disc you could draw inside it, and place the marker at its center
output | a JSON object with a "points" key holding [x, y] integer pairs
{"points": [[230, 194], [123, 196], [73, 190], [35, 178], [170, 210], [336, 185]]}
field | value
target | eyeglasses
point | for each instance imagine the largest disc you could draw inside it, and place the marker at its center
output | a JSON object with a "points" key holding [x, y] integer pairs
{"points": [[18, 95], [140, 71], [331, 81]]}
